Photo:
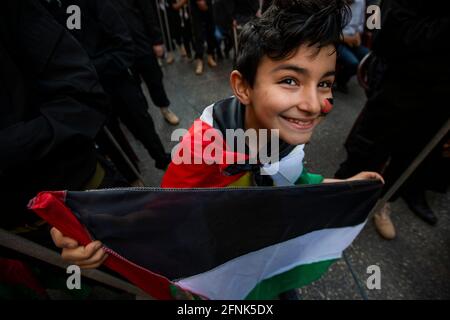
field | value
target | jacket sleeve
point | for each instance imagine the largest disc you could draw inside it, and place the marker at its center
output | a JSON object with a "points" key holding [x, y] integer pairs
{"points": [[148, 10], [120, 53], [69, 105], [407, 28]]}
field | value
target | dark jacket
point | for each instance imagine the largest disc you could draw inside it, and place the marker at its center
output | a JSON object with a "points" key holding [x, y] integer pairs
{"points": [[52, 107], [103, 34], [413, 40], [143, 23], [225, 11]]}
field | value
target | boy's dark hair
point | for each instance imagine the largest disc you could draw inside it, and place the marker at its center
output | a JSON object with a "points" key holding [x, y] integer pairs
{"points": [[285, 26]]}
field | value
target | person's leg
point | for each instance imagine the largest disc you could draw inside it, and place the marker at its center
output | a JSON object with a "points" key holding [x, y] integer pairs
{"points": [[187, 38], [108, 149], [175, 32], [228, 42], [133, 113], [199, 41], [210, 38], [199, 36], [367, 145], [151, 72]]}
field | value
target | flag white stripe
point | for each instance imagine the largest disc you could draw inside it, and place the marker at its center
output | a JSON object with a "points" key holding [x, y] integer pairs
{"points": [[236, 278]]}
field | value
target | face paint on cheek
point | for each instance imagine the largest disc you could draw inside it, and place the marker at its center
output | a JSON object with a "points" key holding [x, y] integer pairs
{"points": [[327, 106]]}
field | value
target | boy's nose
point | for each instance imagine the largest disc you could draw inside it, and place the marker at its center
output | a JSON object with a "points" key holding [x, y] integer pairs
{"points": [[309, 101]]}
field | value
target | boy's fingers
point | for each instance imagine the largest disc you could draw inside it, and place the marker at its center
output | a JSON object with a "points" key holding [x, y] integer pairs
{"points": [[96, 259], [61, 241], [94, 265], [81, 253], [374, 176]]}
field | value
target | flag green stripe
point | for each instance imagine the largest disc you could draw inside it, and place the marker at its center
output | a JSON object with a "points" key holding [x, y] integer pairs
{"points": [[270, 288]]}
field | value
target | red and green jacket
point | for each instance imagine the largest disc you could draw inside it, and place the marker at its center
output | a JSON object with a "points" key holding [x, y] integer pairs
{"points": [[223, 115]]}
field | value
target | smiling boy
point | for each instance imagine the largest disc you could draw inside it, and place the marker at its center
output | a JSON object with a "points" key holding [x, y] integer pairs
{"points": [[282, 82]]}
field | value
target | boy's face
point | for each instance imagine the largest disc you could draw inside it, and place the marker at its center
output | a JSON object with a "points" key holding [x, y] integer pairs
{"points": [[289, 94]]}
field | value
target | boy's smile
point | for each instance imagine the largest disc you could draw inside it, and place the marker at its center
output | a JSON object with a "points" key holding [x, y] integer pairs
{"points": [[289, 94]]}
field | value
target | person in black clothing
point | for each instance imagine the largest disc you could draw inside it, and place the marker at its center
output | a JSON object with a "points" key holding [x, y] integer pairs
{"points": [[203, 25], [245, 10], [406, 106], [140, 18], [105, 37], [53, 106], [181, 9], [223, 17], [229, 14], [168, 13]]}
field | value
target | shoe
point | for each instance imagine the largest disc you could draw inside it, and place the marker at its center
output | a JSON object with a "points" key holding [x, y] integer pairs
{"points": [[138, 184], [170, 116], [163, 163], [183, 52], [417, 203], [198, 67], [211, 61], [170, 58], [384, 224]]}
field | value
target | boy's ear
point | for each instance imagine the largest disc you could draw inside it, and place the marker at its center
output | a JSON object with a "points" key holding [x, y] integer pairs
{"points": [[240, 87]]}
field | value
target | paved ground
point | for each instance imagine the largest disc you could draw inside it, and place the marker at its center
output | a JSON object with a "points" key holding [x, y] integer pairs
{"points": [[414, 266]]}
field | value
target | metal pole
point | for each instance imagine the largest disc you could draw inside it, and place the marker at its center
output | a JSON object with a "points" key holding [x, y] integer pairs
{"points": [[124, 155], [236, 44], [166, 20], [422, 155], [160, 22], [29, 248]]}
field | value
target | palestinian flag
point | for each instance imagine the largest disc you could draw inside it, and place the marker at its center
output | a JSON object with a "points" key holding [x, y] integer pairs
{"points": [[227, 243]]}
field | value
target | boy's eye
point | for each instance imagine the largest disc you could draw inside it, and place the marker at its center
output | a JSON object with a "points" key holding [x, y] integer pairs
{"points": [[289, 81], [325, 84]]}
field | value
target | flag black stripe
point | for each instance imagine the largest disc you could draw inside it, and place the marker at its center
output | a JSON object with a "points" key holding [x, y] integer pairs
{"points": [[181, 233]]}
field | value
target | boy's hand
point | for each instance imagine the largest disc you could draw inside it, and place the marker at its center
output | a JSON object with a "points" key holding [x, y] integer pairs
{"points": [[89, 257], [367, 176]]}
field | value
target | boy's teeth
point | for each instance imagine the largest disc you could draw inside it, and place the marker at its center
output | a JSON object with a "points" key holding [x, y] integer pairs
{"points": [[298, 121]]}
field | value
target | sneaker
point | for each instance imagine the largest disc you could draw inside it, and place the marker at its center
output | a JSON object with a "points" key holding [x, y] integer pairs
{"points": [[170, 116], [198, 67], [170, 58], [384, 224], [211, 62]]}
